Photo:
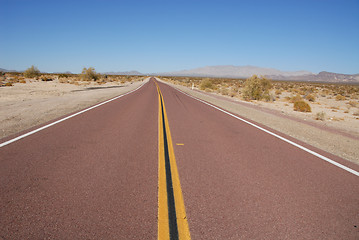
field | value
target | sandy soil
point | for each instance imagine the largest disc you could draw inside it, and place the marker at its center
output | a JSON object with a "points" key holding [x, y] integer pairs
{"points": [[337, 134], [25, 105], [337, 114]]}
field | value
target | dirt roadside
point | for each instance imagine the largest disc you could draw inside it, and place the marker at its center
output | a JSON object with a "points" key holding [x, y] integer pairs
{"points": [[329, 139]]}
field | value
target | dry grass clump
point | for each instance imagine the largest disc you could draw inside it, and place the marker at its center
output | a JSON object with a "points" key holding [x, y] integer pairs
{"points": [[301, 106], [256, 88], [45, 79], [352, 103], [225, 91], [278, 92], [340, 97], [296, 98], [206, 83], [320, 116], [310, 97], [63, 80]]}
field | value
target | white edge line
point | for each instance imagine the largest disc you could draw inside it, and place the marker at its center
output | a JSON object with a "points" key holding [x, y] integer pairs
{"points": [[277, 136], [65, 118]]}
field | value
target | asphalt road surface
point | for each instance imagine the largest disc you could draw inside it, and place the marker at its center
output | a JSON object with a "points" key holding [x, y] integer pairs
{"points": [[96, 176]]}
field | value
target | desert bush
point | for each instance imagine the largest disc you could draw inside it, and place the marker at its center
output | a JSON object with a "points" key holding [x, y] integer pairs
{"points": [[22, 81], [63, 75], [301, 106], [225, 91], [45, 79], [233, 93], [310, 97], [296, 98], [340, 97], [352, 103], [320, 116], [32, 72], [256, 88], [206, 84], [8, 84], [270, 97], [89, 74]]}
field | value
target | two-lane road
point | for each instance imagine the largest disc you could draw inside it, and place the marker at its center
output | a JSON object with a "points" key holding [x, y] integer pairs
{"points": [[96, 176]]}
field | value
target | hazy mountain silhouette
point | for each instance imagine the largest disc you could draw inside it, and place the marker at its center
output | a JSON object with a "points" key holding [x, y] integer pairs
{"points": [[228, 71]]}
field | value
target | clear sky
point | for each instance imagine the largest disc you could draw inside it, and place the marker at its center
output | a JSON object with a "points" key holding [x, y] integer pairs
{"points": [[167, 35]]}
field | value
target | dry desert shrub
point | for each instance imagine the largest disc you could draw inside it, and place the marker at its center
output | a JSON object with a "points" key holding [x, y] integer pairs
{"points": [[45, 79], [63, 75], [340, 97], [256, 88], [296, 98], [32, 72], [206, 83], [301, 106], [89, 74], [224, 91], [310, 97], [320, 116], [352, 103], [233, 93], [63, 80]]}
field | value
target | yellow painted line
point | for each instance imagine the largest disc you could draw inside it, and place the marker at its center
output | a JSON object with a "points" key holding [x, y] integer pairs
{"points": [[163, 222], [163, 227], [180, 144]]}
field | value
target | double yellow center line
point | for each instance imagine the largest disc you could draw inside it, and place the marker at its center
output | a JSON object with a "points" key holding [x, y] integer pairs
{"points": [[172, 220]]}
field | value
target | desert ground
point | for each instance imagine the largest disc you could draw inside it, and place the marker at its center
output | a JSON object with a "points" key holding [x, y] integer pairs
{"points": [[331, 125]]}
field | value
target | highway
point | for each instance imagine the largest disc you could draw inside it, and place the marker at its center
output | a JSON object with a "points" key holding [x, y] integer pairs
{"points": [[158, 164]]}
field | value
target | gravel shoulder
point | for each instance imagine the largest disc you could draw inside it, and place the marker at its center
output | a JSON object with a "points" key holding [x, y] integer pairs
{"points": [[332, 140], [24, 106]]}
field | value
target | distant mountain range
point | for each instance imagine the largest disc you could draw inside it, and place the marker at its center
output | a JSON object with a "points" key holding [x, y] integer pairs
{"points": [[228, 71], [4, 70], [247, 71], [133, 73], [235, 72]]}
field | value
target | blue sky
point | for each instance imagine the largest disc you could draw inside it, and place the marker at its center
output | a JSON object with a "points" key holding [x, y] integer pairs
{"points": [[159, 36]]}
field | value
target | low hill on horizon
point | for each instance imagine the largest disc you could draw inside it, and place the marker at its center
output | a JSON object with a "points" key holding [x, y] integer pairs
{"points": [[229, 71]]}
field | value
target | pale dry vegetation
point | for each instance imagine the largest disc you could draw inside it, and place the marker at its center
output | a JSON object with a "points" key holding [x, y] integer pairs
{"points": [[318, 101], [88, 77]]}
